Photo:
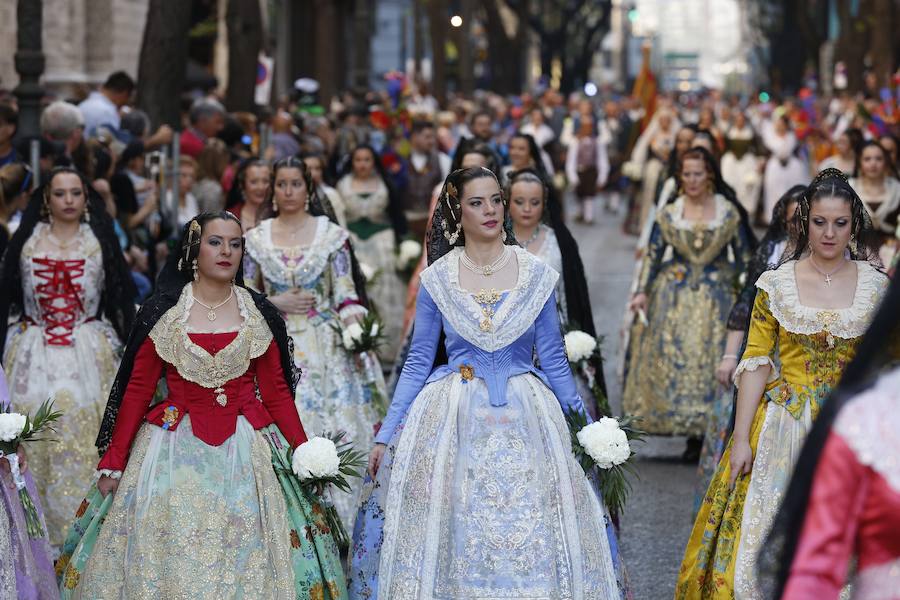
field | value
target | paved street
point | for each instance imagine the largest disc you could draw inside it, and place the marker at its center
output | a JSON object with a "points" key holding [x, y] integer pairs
{"points": [[659, 514]]}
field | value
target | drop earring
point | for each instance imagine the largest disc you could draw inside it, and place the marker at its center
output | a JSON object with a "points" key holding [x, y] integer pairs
{"points": [[194, 268]]}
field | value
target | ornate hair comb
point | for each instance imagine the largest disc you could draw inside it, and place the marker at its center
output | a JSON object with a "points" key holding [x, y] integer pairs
{"points": [[829, 173]]}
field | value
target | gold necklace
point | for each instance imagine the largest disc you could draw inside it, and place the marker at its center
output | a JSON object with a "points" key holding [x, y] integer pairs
{"points": [[211, 314]]}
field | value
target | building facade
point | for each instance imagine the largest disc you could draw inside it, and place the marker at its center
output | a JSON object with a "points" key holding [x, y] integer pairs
{"points": [[84, 41]]}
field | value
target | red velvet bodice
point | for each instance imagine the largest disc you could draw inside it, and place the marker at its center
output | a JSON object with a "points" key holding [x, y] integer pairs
{"points": [[210, 421]]}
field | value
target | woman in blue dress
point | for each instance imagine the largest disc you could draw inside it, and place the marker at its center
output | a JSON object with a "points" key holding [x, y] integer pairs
{"points": [[476, 492]]}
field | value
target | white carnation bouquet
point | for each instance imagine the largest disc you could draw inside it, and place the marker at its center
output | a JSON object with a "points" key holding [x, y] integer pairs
{"points": [[363, 336], [583, 352], [632, 170], [408, 255], [369, 273], [606, 444], [362, 340], [328, 460], [16, 428]]}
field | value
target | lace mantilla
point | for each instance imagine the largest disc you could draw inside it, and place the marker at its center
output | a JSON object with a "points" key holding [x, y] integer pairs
{"points": [[870, 424], [515, 314], [328, 239], [847, 323], [194, 363]]}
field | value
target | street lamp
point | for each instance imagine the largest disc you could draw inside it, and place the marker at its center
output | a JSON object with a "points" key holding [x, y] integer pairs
{"points": [[29, 61], [456, 21]]}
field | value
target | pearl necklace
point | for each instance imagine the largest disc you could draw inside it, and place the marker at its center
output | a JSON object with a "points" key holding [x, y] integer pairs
{"points": [[823, 273], [490, 269], [211, 314]]}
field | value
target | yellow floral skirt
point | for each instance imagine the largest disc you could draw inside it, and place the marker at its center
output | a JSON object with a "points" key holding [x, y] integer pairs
{"points": [[707, 569]]}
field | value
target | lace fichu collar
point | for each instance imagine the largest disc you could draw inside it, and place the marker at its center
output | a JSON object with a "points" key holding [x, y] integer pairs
{"points": [[847, 323], [514, 315], [327, 239], [193, 362], [870, 424]]}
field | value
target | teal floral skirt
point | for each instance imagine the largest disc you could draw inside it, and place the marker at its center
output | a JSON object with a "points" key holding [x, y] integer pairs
{"points": [[191, 520]]}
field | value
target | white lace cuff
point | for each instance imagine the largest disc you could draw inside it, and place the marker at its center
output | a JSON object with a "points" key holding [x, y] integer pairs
{"points": [[752, 363], [109, 473], [352, 310]]}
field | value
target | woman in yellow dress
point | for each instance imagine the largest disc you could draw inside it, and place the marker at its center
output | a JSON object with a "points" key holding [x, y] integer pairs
{"points": [[811, 311]]}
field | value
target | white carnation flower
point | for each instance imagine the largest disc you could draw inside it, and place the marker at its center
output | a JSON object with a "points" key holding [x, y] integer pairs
{"points": [[605, 442], [11, 426], [579, 345], [410, 250], [316, 458], [367, 271], [347, 339]]}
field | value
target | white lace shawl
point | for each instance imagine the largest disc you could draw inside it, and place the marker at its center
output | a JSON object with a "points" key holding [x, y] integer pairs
{"points": [[517, 312]]}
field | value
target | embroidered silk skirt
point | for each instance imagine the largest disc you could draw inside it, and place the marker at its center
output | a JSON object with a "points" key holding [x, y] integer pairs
{"points": [[77, 378], [478, 501], [732, 525], [26, 567], [195, 521]]}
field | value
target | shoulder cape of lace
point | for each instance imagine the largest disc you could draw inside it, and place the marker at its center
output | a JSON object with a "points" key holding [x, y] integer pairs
{"points": [[870, 424], [847, 323], [328, 239], [516, 313], [194, 363]]}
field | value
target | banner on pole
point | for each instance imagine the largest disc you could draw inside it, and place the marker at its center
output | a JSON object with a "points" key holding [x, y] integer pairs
{"points": [[264, 68]]}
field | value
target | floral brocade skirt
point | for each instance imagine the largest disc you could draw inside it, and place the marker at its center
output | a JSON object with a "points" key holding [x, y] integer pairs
{"points": [[77, 378], [195, 521], [478, 501], [720, 561], [671, 367]]}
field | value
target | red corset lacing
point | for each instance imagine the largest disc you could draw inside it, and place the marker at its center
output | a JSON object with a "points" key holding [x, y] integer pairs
{"points": [[59, 297]]}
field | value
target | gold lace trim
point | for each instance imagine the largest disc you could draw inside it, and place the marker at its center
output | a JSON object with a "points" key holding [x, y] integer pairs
{"points": [[193, 362]]}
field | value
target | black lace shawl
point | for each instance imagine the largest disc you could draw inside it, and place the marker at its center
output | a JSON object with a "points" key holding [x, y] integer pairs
{"points": [[578, 299], [739, 317], [118, 293], [169, 285]]}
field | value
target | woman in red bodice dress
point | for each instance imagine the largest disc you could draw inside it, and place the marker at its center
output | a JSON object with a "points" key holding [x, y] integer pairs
{"points": [[204, 503]]}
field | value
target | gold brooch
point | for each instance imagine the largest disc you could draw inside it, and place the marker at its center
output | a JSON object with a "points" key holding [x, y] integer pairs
{"points": [[451, 190], [467, 372], [170, 416], [487, 299]]}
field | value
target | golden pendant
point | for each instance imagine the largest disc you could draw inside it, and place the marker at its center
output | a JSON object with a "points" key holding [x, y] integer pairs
{"points": [[221, 397], [211, 315], [486, 326]]}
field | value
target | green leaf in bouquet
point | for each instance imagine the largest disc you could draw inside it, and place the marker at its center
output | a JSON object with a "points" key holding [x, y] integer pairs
{"points": [[43, 421]]}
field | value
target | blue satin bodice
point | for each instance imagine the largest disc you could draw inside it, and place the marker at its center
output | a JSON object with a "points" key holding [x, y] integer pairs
{"points": [[494, 368]]}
